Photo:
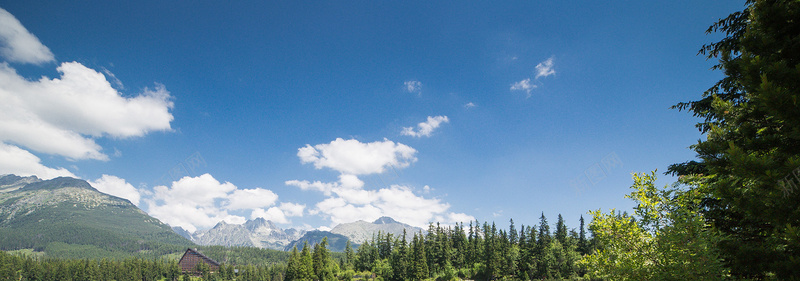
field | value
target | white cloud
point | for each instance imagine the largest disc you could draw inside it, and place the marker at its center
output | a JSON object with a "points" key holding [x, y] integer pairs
{"points": [[292, 209], [14, 160], [187, 215], [63, 116], [347, 199], [273, 214], [325, 187], [251, 199], [469, 105], [425, 129], [356, 158], [413, 86], [17, 44], [232, 219], [457, 218], [545, 68], [200, 191], [347, 204], [118, 187], [398, 202], [524, 85], [202, 202]]}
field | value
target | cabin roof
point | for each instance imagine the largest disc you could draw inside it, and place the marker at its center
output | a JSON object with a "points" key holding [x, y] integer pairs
{"points": [[190, 251]]}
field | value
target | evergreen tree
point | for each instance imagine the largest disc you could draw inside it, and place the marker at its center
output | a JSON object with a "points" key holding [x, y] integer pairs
{"points": [[749, 162], [512, 232], [306, 267], [400, 259], [582, 244], [419, 266], [349, 256], [544, 232], [561, 230], [322, 262], [293, 265]]}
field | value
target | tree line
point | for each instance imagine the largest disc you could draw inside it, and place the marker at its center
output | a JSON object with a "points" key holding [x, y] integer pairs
{"points": [[474, 251]]}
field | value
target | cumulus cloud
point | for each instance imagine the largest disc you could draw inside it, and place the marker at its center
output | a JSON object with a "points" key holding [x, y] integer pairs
{"points": [[201, 202], [17, 44], [251, 198], [273, 214], [469, 105], [349, 203], [348, 200], [545, 68], [14, 160], [199, 191], [118, 187], [425, 129], [356, 158], [187, 216], [398, 202], [414, 87], [63, 115], [292, 209]]}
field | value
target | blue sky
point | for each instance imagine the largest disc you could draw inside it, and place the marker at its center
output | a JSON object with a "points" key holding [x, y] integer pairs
{"points": [[312, 114]]}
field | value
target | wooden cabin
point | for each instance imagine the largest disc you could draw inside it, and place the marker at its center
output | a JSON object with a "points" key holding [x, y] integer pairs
{"points": [[192, 257]]}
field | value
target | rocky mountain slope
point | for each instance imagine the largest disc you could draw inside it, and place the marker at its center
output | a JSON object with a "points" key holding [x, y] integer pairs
{"points": [[66, 213], [259, 233], [360, 231], [336, 242]]}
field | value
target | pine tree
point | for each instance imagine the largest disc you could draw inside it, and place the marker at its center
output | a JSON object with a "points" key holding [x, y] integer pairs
{"points": [[561, 230], [419, 266], [322, 262], [349, 256], [293, 265], [306, 267], [749, 162], [582, 245]]}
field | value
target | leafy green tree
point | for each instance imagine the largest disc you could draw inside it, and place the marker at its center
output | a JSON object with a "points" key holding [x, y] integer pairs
{"points": [[667, 239], [749, 161]]}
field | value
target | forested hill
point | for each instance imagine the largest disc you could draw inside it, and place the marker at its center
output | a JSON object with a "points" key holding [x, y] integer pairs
{"points": [[67, 217]]}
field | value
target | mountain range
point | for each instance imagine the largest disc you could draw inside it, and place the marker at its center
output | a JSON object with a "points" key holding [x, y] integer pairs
{"points": [[262, 233], [68, 217], [258, 233], [361, 231]]}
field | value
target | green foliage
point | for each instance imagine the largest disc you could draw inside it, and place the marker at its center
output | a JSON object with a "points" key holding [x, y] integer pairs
{"points": [[748, 161], [667, 239], [243, 255]]}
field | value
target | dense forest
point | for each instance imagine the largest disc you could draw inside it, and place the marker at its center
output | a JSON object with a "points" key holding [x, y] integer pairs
{"points": [[459, 252], [474, 252]]}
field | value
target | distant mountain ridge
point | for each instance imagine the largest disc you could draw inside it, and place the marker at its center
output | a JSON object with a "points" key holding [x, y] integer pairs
{"points": [[262, 233], [50, 215], [361, 231], [336, 242], [258, 233]]}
